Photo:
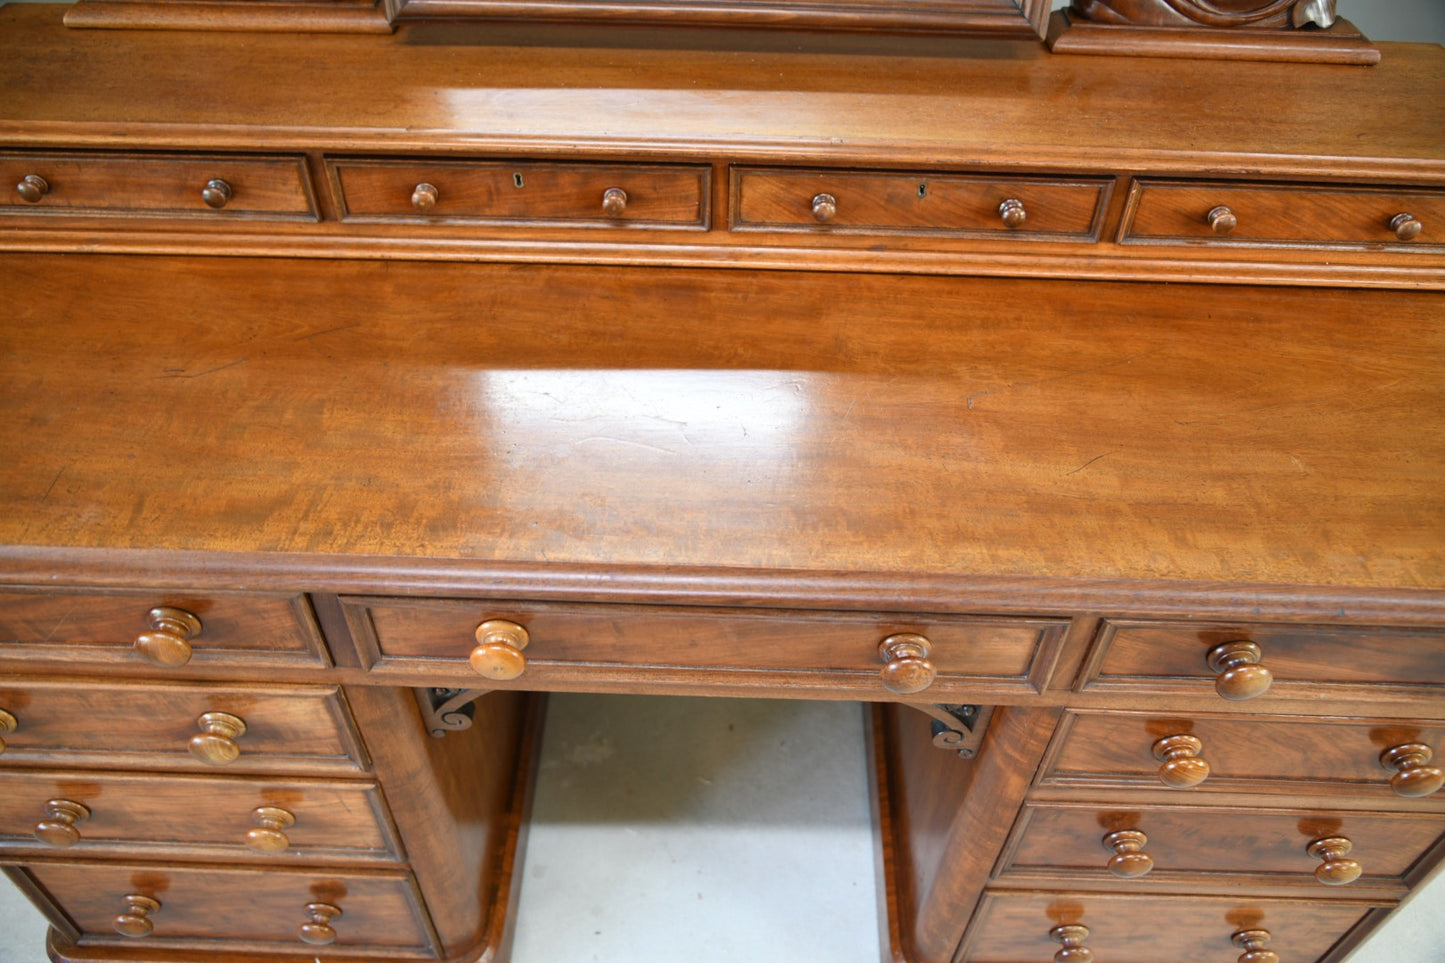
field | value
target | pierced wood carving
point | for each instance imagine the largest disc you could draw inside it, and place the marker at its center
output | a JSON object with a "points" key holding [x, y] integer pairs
{"points": [[447, 710], [1208, 13], [957, 727]]}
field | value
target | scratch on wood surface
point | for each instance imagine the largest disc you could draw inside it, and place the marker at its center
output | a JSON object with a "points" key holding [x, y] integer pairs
{"points": [[208, 371], [53, 482], [1086, 464]]}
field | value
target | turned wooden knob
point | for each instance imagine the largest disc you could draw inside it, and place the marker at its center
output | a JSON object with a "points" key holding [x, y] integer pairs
{"points": [[317, 930], [825, 208], [268, 836], [216, 193], [1334, 869], [1221, 220], [1129, 860], [1240, 676], [1407, 227], [1013, 213], [424, 197], [33, 187], [1182, 766], [135, 919], [906, 667], [1072, 936], [498, 654], [216, 744], [168, 641], [58, 826], [614, 201], [8, 724], [1253, 942], [1414, 776]]}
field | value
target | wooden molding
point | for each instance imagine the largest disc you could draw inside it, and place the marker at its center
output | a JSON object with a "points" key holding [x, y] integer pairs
{"points": [[290, 16], [1340, 44]]}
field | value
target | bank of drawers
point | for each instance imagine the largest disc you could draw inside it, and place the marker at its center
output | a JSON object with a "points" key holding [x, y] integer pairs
{"points": [[1225, 825], [539, 644], [193, 817]]}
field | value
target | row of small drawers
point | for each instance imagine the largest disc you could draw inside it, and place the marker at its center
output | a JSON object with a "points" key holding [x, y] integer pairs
{"points": [[539, 642], [764, 199]]}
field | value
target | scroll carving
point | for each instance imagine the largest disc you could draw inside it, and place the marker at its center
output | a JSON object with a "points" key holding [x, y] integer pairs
{"points": [[447, 710], [1252, 14], [957, 727]]}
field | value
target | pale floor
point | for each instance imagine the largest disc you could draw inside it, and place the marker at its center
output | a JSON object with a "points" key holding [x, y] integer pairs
{"points": [[713, 830]]}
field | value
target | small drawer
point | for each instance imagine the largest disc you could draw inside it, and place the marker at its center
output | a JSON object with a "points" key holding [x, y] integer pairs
{"points": [[570, 642], [873, 202], [1171, 842], [164, 628], [179, 727], [1389, 762], [78, 813], [522, 192], [216, 186], [1021, 927], [1230, 212], [216, 911], [1244, 660]]}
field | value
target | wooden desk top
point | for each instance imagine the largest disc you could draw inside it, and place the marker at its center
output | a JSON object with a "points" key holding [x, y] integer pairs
{"points": [[976, 428]]}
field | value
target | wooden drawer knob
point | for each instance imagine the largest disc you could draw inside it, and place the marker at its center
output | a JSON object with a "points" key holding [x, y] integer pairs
{"points": [[1129, 860], [168, 642], [1072, 936], [906, 666], [269, 837], [1253, 942], [825, 208], [424, 197], [317, 930], [8, 724], [32, 188], [216, 193], [1414, 776], [1221, 220], [614, 201], [498, 654], [1407, 227], [58, 826], [1334, 869], [1182, 766], [1012, 212], [135, 919], [1240, 676], [216, 745]]}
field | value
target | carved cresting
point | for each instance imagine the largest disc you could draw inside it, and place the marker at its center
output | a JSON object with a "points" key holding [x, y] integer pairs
{"points": [[1251, 14]]}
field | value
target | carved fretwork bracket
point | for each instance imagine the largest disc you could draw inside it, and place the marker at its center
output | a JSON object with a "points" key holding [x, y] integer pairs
{"points": [[447, 710], [957, 727]]}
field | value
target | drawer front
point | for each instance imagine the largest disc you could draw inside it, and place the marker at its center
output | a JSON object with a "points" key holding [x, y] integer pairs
{"points": [[193, 817], [1067, 838], [1250, 753], [1165, 211], [1015, 927], [166, 628], [287, 728], [232, 910], [654, 195], [917, 203], [133, 184], [652, 638], [1176, 657]]}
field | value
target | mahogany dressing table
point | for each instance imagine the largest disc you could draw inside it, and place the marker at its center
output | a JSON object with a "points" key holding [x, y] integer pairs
{"points": [[1082, 413]]}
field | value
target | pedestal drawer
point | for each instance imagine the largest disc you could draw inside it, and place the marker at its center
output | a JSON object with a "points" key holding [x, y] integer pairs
{"points": [[218, 910], [1017, 927], [177, 727], [850, 649], [1120, 842], [917, 203], [164, 628], [1389, 761], [595, 194], [78, 813], [1229, 212], [216, 186]]}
